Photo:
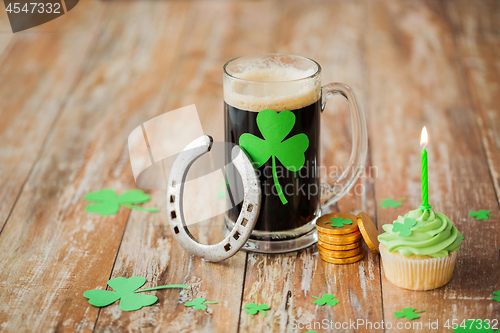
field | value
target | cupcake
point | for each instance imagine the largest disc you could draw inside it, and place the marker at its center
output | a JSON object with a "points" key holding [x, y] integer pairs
{"points": [[419, 250]]}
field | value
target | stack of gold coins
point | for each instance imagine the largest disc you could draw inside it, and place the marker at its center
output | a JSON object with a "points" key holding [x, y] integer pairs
{"points": [[339, 238]]}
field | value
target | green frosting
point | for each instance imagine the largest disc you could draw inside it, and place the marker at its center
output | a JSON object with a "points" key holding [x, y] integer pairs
{"points": [[433, 235]]}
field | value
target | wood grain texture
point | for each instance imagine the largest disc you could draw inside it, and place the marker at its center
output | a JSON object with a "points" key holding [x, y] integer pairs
{"points": [[415, 80], [100, 71], [6, 34], [287, 282], [38, 71], [65, 250], [477, 35], [198, 73]]}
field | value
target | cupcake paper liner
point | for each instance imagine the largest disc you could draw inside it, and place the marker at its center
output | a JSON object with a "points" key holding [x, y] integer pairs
{"points": [[418, 274]]}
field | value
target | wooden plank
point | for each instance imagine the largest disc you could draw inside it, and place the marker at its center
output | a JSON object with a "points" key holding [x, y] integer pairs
{"points": [[51, 249], [476, 28], [332, 34], [38, 70], [148, 248], [6, 34], [415, 80]]}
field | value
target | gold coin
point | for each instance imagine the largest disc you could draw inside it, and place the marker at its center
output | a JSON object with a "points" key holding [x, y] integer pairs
{"points": [[369, 231], [325, 224], [351, 260], [339, 247], [339, 254], [340, 239]]}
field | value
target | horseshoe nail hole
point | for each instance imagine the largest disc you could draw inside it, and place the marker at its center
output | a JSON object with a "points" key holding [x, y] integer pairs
{"points": [[227, 247], [236, 235], [173, 183], [176, 229], [244, 222], [172, 198], [250, 208], [173, 215]]}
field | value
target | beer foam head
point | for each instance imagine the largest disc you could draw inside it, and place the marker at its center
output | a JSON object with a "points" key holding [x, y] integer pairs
{"points": [[276, 82]]}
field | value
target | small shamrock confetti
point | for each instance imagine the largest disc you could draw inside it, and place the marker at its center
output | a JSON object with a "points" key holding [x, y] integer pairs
{"points": [[409, 313], [108, 203], [474, 326], [339, 222], [386, 203], [253, 308], [405, 227], [481, 214], [496, 298], [461, 236], [199, 303], [126, 290], [326, 299]]}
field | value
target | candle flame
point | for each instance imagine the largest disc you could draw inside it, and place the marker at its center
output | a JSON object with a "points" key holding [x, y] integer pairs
{"points": [[423, 138]]}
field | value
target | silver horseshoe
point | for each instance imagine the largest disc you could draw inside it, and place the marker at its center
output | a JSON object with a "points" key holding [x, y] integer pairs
{"points": [[246, 219]]}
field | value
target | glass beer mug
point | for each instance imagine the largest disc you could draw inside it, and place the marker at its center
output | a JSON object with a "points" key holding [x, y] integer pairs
{"points": [[272, 110]]}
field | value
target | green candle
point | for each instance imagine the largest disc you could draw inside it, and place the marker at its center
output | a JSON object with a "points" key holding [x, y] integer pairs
{"points": [[425, 179]]}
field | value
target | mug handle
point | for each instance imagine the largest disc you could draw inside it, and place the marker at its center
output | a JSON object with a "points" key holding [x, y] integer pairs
{"points": [[338, 187]]}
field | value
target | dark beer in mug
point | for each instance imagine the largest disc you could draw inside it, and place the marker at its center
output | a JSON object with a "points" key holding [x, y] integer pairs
{"points": [[242, 106]]}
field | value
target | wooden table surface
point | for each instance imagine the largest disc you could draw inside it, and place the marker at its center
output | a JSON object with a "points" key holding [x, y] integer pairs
{"points": [[73, 89]]}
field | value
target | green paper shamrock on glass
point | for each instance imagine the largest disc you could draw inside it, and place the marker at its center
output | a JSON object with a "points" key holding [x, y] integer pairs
{"points": [[253, 308], [126, 291], [496, 298], [326, 299], [339, 222], [405, 227], [274, 128], [108, 203], [474, 326], [386, 203], [409, 313], [480, 214], [199, 303]]}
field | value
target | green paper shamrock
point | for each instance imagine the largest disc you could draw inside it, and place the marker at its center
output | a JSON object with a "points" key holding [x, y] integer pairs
{"points": [[404, 229], [199, 303], [496, 298], [409, 313], [126, 290], [474, 326], [480, 215], [339, 222], [274, 128], [108, 203], [253, 308], [326, 299], [386, 203]]}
